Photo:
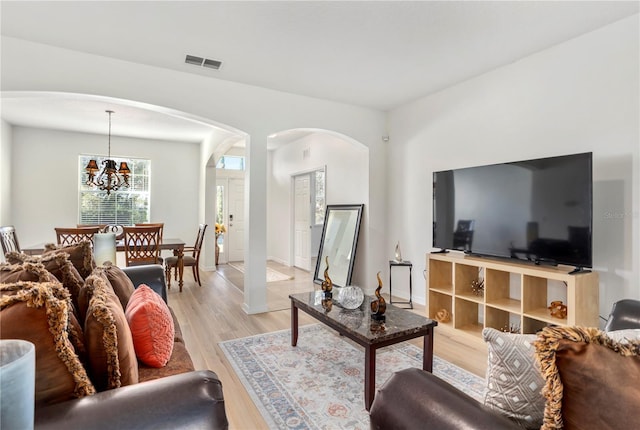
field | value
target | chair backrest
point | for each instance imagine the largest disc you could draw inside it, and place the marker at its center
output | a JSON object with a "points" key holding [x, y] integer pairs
{"points": [[199, 241], [71, 235], [9, 239], [141, 244], [153, 224]]}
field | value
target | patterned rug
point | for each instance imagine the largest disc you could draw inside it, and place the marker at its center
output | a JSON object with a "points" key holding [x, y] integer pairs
{"points": [[320, 383]]}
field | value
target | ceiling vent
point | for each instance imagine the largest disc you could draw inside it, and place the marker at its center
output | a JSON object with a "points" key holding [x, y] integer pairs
{"points": [[203, 62]]}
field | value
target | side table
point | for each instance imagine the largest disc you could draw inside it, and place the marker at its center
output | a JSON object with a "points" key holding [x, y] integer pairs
{"points": [[394, 263]]}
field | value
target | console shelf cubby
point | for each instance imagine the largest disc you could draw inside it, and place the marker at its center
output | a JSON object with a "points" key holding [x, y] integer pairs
{"points": [[516, 295]]}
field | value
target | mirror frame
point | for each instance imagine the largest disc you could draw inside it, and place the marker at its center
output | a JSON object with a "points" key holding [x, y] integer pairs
{"points": [[318, 276]]}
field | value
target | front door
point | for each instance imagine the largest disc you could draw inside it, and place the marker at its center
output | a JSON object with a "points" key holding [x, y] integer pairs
{"points": [[235, 238]]}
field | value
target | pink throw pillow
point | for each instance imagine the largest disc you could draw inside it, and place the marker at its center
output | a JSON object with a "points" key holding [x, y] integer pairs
{"points": [[151, 326]]}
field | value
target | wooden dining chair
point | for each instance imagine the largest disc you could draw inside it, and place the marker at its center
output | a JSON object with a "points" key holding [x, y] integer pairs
{"points": [[141, 245], [9, 239], [100, 226], [192, 260], [153, 224], [71, 235]]}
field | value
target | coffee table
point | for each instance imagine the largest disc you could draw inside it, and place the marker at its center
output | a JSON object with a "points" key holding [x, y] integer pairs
{"points": [[357, 325]]}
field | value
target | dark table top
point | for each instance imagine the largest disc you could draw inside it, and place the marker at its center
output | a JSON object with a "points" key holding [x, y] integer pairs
{"points": [[170, 243], [399, 322]]}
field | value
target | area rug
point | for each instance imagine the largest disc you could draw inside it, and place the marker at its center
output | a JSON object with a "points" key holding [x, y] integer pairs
{"points": [[272, 274], [320, 383]]}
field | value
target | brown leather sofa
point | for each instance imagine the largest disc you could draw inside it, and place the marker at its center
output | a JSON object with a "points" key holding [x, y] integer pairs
{"points": [[172, 396], [181, 400], [190, 400]]}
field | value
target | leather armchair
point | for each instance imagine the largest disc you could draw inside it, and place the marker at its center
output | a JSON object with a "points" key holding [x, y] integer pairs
{"points": [[625, 314], [415, 399]]}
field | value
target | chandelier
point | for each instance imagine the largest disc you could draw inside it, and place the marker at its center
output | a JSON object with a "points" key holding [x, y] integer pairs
{"points": [[108, 180]]}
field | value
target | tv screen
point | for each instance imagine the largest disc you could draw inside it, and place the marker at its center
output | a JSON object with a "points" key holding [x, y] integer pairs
{"points": [[537, 210]]}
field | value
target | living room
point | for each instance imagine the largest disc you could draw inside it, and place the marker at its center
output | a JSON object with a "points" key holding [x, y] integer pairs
{"points": [[575, 95]]}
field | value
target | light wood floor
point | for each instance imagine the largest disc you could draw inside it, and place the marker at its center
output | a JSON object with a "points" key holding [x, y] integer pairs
{"points": [[213, 313]]}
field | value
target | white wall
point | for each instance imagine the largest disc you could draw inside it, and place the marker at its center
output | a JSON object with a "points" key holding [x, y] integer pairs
{"points": [[347, 182], [46, 196], [5, 173], [256, 111], [579, 96]]}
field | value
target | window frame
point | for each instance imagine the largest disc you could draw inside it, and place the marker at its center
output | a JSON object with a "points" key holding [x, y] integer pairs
{"points": [[136, 178]]}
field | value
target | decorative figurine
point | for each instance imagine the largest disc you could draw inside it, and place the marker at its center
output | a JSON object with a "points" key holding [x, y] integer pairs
{"points": [[378, 306], [477, 287], [443, 316], [350, 297], [558, 309], [327, 284], [511, 328], [398, 253]]}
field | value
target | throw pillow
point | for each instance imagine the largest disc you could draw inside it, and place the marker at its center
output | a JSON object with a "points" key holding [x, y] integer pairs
{"points": [[151, 326], [36, 272], [111, 355], [514, 381], [120, 282], [591, 380], [58, 265], [31, 311], [80, 255]]}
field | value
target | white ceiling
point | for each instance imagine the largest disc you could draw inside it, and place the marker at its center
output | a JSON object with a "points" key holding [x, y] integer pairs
{"points": [[377, 54]]}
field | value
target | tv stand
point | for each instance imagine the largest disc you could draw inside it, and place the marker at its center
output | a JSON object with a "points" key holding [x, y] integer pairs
{"points": [[516, 295]]}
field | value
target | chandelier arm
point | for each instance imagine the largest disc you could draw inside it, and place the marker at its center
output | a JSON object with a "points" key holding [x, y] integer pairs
{"points": [[109, 179]]}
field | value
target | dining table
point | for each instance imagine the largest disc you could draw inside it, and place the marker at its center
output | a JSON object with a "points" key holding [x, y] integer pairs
{"points": [[177, 245]]}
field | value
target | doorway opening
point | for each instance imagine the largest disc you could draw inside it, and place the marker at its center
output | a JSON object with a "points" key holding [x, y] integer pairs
{"points": [[308, 214]]}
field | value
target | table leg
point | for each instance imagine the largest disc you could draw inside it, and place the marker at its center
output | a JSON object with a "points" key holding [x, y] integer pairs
{"points": [[294, 324], [410, 287], [390, 293], [427, 351], [369, 376]]}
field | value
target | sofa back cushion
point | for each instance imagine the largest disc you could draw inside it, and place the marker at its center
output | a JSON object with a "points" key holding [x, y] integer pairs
{"points": [[120, 282], [35, 312], [111, 355]]}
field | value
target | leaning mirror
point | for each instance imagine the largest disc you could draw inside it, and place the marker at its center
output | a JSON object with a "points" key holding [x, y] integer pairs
{"points": [[338, 242]]}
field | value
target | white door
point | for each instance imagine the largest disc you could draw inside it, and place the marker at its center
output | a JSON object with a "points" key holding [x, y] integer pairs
{"points": [[302, 223], [235, 221]]}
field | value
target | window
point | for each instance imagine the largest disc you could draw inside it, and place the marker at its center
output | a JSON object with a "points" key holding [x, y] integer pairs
{"points": [[231, 162], [126, 206], [320, 201]]}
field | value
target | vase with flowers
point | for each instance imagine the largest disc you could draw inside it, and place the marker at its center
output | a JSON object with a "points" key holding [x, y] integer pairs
{"points": [[220, 230]]}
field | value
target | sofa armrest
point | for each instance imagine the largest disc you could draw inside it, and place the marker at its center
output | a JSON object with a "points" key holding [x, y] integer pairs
{"points": [[151, 275], [415, 399], [190, 400]]}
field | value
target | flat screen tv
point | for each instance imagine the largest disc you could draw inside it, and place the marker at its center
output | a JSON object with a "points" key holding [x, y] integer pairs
{"points": [[536, 210]]}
